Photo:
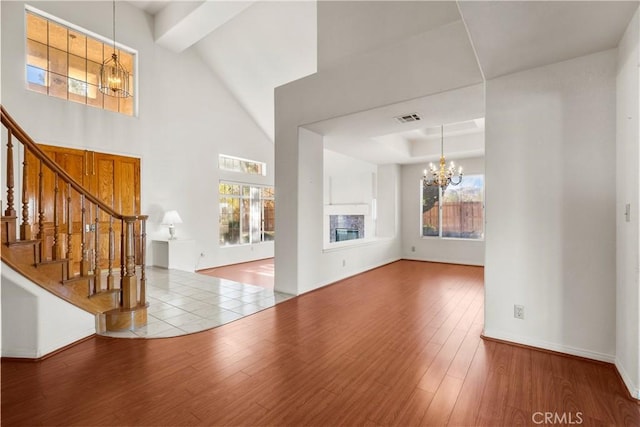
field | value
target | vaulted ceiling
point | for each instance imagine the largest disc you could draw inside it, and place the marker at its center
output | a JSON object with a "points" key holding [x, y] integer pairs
{"points": [[254, 47]]}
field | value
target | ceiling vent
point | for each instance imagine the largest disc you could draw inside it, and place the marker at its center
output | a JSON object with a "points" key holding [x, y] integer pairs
{"points": [[406, 118]]}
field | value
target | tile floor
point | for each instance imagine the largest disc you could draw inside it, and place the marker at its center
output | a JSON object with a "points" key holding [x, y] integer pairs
{"points": [[182, 303]]}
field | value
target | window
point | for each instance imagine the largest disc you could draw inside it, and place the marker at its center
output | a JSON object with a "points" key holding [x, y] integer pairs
{"points": [[457, 214], [64, 61], [235, 164], [247, 214]]}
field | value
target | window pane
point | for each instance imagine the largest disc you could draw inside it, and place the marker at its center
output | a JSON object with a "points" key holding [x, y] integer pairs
{"points": [[126, 106], [77, 44], [246, 223], [126, 59], [268, 220], [267, 193], [94, 50], [77, 91], [94, 97], [58, 86], [37, 54], [462, 209], [57, 61], [77, 68], [111, 103], [37, 79], [36, 28], [229, 221], [57, 36], [93, 72], [430, 211]]}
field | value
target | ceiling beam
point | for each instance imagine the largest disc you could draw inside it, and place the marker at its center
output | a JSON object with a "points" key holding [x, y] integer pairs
{"points": [[181, 24]]}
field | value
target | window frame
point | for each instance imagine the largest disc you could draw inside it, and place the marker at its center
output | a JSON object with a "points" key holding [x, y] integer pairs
{"points": [[28, 9], [440, 214], [243, 198], [224, 158]]}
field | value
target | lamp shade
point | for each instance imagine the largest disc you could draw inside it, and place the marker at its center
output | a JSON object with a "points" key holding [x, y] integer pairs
{"points": [[171, 217]]}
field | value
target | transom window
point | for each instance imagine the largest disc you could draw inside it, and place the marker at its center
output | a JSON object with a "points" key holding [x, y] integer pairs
{"points": [[247, 213], [64, 62], [236, 164], [458, 213]]}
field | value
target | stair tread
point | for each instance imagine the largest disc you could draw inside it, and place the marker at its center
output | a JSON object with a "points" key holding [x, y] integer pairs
{"points": [[78, 278], [52, 261], [104, 292], [23, 242]]}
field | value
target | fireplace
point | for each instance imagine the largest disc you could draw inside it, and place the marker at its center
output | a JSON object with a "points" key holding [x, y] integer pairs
{"points": [[346, 227], [346, 234]]}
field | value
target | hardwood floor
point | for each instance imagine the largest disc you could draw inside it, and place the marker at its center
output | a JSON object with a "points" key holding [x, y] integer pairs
{"points": [[398, 345], [257, 273]]}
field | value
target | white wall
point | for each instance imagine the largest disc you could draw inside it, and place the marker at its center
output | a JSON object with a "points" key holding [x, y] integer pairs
{"points": [[314, 266], [186, 118], [627, 185], [35, 322], [550, 206], [456, 251]]}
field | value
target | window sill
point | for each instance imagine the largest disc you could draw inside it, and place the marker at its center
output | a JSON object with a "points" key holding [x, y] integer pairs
{"points": [[455, 239]]}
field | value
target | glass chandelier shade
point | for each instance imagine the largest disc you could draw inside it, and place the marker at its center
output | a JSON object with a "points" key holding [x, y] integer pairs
{"points": [[442, 176], [114, 78]]}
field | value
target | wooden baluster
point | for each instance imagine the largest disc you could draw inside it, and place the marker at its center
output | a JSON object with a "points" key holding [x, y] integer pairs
{"points": [[143, 248], [41, 235], [110, 284], [10, 211], [69, 233], [122, 261], [96, 252], [56, 244], [84, 262], [129, 284], [25, 227]]}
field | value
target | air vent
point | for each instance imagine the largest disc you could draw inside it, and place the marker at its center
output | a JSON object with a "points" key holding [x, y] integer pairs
{"points": [[406, 118]]}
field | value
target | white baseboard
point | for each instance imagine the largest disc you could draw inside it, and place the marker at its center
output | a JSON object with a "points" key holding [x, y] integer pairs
{"points": [[546, 345], [633, 388]]}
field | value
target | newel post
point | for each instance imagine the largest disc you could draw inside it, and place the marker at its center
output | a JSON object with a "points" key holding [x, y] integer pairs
{"points": [[129, 285]]}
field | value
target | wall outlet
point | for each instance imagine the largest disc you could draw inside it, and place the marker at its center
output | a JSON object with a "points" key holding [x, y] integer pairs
{"points": [[413, 248], [344, 262], [201, 254], [518, 311]]}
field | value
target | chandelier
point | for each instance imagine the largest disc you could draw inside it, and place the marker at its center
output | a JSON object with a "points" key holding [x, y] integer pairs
{"points": [[443, 176], [114, 78]]}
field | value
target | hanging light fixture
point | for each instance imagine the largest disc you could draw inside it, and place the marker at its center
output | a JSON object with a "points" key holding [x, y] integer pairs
{"points": [[114, 78], [442, 177]]}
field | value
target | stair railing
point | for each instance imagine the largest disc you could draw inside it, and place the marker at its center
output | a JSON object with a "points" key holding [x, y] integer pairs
{"points": [[131, 250]]}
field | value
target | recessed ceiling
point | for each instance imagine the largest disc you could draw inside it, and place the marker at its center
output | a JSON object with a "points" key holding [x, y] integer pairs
{"points": [[377, 137]]}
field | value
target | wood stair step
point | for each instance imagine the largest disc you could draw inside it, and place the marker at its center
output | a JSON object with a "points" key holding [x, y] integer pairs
{"points": [[51, 261], [23, 242], [56, 267], [78, 279], [105, 292]]}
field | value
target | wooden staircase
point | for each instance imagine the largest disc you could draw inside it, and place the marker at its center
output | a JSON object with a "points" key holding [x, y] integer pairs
{"points": [[61, 245]]}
